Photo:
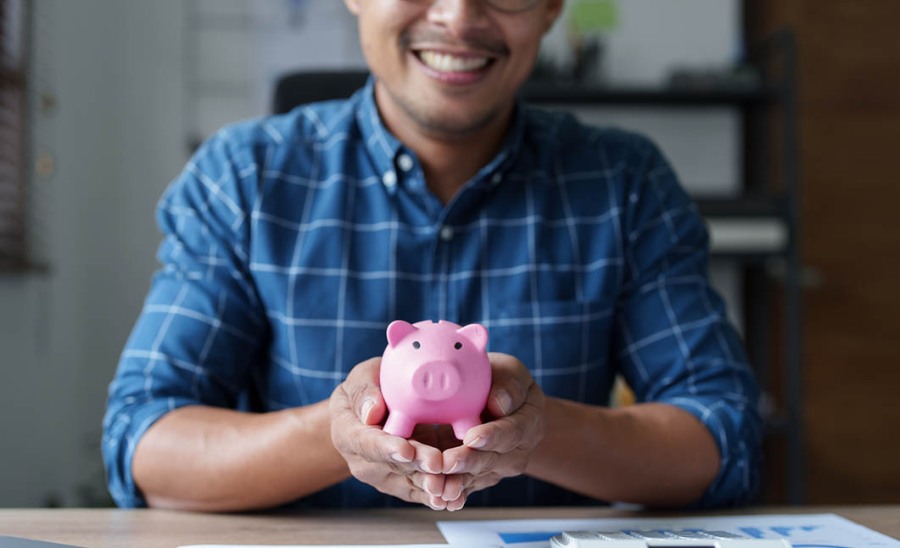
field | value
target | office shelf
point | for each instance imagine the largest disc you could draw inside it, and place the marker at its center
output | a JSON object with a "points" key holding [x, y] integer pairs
{"points": [[591, 95]]}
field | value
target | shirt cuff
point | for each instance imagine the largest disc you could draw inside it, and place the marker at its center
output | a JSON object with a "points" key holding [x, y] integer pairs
{"points": [[124, 425], [736, 430]]}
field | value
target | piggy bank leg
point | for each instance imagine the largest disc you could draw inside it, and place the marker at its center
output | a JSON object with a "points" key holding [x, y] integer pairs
{"points": [[462, 426], [398, 424]]}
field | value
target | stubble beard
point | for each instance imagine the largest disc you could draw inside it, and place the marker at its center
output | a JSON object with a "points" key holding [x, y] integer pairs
{"points": [[441, 125]]}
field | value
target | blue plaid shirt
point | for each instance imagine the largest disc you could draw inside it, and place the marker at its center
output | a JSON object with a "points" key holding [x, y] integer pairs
{"points": [[291, 242]]}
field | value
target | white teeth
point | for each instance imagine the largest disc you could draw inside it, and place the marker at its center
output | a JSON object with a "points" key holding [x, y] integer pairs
{"points": [[450, 63]]}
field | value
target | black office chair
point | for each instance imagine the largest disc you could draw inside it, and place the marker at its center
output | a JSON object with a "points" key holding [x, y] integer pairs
{"points": [[307, 87]]}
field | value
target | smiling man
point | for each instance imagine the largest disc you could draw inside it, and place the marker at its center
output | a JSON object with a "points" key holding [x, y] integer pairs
{"points": [[448, 74], [251, 377]]}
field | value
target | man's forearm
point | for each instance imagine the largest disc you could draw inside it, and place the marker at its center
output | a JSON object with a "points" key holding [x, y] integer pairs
{"points": [[212, 459], [653, 454]]}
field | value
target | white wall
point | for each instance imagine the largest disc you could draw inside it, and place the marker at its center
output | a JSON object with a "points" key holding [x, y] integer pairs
{"points": [[240, 48], [124, 75], [116, 134]]}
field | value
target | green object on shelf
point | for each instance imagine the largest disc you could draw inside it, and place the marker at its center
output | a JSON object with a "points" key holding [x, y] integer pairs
{"points": [[591, 16]]}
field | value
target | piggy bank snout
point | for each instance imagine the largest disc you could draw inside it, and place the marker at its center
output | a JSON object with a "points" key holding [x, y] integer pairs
{"points": [[436, 380]]}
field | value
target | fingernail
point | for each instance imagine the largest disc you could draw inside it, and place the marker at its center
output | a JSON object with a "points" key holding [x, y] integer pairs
{"points": [[457, 467], [478, 442], [367, 406], [400, 458], [504, 402], [451, 498], [427, 468], [456, 509]]}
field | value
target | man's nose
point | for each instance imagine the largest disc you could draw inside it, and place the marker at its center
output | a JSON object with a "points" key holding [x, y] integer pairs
{"points": [[459, 16]]}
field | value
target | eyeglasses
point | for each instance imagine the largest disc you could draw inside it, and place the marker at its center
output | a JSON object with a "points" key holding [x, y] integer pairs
{"points": [[507, 6]]}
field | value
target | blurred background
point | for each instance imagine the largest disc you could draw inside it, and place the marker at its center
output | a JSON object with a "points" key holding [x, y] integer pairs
{"points": [[782, 118]]}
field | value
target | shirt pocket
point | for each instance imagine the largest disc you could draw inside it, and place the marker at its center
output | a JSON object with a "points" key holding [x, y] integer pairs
{"points": [[565, 344]]}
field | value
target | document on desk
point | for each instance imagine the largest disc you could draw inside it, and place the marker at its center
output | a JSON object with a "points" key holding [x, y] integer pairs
{"points": [[802, 530], [314, 546]]}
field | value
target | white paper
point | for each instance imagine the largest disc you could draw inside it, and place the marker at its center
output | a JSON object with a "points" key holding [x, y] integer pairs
{"points": [[803, 530], [313, 546]]}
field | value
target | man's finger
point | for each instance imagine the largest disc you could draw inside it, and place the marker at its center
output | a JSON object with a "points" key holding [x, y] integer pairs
{"points": [[522, 429], [433, 484], [428, 459], [510, 381], [426, 489], [458, 503], [482, 482], [363, 389], [369, 442], [462, 461], [454, 486], [409, 488]]}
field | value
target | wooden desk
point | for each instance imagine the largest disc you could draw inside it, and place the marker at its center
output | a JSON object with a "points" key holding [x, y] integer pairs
{"points": [[158, 528]]}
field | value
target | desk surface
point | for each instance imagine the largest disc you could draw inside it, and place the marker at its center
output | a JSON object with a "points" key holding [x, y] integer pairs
{"points": [[152, 528]]}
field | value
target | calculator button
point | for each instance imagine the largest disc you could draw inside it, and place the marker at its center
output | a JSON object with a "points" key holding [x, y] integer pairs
{"points": [[723, 535], [614, 535], [571, 539], [651, 535], [572, 536], [591, 539], [692, 535]]}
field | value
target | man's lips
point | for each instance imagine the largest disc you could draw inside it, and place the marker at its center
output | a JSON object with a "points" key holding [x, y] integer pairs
{"points": [[451, 56], [446, 62]]}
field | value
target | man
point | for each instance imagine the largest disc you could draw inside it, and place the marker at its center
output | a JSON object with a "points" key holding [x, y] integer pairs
{"points": [[291, 243]]}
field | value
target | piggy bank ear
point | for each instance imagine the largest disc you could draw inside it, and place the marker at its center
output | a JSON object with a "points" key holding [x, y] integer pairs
{"points": [[398, 330], [475, 333]]}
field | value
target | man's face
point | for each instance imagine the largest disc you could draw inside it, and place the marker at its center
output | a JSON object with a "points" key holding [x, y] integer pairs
{"points": [[449, 67]]}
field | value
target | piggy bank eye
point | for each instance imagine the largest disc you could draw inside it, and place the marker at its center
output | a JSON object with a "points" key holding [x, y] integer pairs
{"points": [[458, 345], [416, 345]]}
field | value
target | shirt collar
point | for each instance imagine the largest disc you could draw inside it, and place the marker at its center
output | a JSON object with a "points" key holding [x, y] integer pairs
{"points": [[384, 147]]}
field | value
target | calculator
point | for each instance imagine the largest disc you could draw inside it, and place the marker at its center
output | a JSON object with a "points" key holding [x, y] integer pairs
{"points": [[662, 539]]}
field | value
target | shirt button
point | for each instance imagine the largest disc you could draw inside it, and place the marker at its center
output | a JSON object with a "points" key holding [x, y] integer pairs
{"points": [[405, 162], [497, 178], [389, 179], [446, 233]]}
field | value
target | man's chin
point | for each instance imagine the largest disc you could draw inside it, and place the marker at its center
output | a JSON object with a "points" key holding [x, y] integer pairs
{"points": [[442, 117], [455, 123]]}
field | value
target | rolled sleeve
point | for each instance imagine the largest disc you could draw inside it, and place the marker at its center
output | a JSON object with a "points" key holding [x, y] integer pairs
{"points": [[674, 342], [124, 425], [201, 326]]}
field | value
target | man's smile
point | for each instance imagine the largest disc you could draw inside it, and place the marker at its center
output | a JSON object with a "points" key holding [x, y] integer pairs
{"points": [[448, 62]]}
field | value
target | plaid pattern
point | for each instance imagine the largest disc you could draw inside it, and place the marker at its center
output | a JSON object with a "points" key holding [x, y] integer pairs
{"points": [[292, 241]]}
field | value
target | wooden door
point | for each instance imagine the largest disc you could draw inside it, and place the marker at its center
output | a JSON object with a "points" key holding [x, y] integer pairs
{"points": [[849, 78]]}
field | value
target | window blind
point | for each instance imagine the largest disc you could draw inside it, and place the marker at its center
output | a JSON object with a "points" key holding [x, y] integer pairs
{"points": [[13, 108]]}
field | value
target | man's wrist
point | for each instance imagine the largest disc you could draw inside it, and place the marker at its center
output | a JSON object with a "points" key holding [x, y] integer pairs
{"points": [[562, 436], [311, 424]]}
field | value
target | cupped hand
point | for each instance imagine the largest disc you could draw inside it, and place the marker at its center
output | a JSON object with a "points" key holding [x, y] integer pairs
{"points": [[499, 448], [407, 469]]}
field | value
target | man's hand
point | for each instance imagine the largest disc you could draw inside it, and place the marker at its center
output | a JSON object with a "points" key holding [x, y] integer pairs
{"points": [[501, 447], [407, 469]]}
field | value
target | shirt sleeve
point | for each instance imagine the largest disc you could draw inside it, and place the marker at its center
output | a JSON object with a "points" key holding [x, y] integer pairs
{"points": [[202, 324], [674, 342]]}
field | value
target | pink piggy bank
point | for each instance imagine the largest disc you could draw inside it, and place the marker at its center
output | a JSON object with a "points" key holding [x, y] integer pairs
{"points": [[434, 373]]}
